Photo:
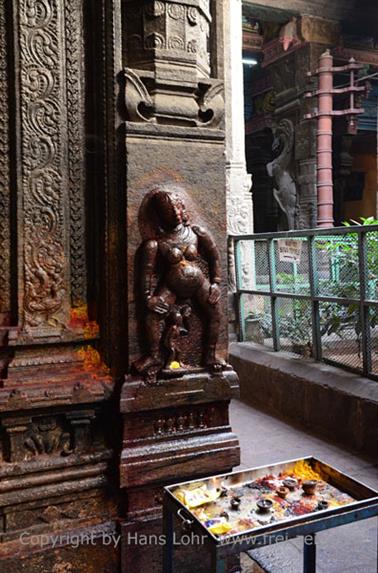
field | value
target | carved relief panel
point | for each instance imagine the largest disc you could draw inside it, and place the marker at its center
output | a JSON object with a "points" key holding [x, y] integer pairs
{"points": [[29, 437], [50, 180], [44, 268]]}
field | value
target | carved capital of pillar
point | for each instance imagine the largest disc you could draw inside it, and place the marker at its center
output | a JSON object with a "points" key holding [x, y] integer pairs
{"points": [[162, 35], [168, 73]]}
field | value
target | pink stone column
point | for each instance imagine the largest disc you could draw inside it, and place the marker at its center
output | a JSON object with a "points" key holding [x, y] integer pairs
{"points": [[324, 142]]}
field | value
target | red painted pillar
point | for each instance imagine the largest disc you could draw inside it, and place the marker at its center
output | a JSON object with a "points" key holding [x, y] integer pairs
{"points": [[324, 142]]}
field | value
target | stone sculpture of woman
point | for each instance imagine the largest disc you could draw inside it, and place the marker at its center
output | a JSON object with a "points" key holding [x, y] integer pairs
{"points": [[171, 275]]}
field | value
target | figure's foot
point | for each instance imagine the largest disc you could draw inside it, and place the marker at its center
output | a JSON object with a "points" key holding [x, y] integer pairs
{"points": [[214, 363]]}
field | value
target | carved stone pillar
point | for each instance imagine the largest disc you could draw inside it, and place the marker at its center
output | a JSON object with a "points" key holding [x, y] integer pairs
{"points": [[175, 412], [167, 77], [48, 304], [238, 182], [55, 393]]}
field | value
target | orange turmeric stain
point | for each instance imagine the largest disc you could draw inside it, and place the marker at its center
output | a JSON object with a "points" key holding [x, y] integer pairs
{"points": [[79, 321], [92, 360]]}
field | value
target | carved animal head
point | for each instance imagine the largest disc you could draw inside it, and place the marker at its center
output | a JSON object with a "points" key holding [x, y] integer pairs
{"points": [[283, 144]]}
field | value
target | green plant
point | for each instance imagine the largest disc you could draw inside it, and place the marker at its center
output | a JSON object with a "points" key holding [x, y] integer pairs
{"points": [[296, 325], [345, 281]]}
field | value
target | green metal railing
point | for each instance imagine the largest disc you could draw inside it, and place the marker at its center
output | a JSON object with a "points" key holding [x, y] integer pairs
{"points": [[313, 293]]}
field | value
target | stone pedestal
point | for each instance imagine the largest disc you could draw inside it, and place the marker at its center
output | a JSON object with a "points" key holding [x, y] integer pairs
{"points": [[174, 431]]}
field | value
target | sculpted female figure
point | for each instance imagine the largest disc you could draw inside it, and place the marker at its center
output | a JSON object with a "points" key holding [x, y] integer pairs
{"points": [[171, 274]]}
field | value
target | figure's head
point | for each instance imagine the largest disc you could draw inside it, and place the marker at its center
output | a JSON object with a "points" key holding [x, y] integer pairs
{"points": [[170, 209], [162, 210]]}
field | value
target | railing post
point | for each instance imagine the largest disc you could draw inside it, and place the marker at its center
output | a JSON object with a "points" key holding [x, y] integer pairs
{"points": [[241, 334], [273, 297], [315, 305], [364, 308]]}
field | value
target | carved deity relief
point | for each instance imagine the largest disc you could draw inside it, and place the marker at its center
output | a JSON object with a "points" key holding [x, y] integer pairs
{"points": [[285, 189], [173, 281]]}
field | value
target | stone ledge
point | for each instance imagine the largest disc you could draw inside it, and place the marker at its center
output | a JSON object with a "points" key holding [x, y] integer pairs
{"points": [[323, 399]]}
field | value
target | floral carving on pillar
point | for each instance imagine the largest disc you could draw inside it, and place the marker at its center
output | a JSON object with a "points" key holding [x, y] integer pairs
{"points": [[238, 181], [52, 266], [44, 171], [4, 173], [76, 145]]}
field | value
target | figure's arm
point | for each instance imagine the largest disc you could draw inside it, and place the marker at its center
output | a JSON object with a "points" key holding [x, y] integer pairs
{"points": [[149, 259], [207, 245], [149, 256]]}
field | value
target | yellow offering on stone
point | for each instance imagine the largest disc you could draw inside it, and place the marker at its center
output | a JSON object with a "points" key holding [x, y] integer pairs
{"points": [[175, 365]]}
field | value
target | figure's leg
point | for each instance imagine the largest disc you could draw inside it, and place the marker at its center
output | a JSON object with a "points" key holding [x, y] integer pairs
{"points": [[154, 320], [214, 314], [152, 361]]}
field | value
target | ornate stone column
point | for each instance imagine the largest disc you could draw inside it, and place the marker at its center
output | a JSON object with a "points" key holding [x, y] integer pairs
{"points": [[55, 394], [238, 182], [175, 415]]}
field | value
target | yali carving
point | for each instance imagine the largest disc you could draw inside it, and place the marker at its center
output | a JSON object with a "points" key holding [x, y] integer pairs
{"points": [[285, 189]]}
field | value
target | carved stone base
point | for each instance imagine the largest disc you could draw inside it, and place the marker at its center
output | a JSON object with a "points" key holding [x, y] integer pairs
{"points": [[175, 430], [56, 470]]}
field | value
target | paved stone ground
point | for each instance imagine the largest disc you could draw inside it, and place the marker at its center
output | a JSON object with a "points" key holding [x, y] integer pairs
{"points": [[347, 549]]}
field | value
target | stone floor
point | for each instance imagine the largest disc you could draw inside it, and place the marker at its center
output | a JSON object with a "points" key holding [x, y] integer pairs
{"points": [[347, 549]]}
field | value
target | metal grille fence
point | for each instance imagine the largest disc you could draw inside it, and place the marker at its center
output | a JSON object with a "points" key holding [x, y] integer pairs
{"points": [[314, 293]]}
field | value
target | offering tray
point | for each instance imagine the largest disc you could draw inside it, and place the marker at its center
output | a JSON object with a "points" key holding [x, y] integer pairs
{"points": [[236, 512]]}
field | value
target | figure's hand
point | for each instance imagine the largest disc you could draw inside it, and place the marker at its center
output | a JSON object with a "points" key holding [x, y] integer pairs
{"points": [[214, 294], [157, 304]]}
